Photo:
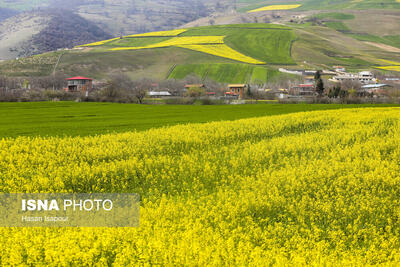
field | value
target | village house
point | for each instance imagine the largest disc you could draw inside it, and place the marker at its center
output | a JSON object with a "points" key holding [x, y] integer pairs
{"points": [[189, 86], [379, 88], [238, 90], [79, 84], [364, 77], [339, 68], [302, 90]]}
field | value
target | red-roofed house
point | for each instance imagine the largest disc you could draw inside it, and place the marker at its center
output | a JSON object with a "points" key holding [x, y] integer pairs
{"points": [[79, 84]]}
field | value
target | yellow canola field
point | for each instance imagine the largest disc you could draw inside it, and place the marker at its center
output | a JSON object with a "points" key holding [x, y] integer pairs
{"points": [[390, 61], [222, 50], [179, 41], [98, 43], [392, 68], [159, 34], [306, 189], [274, 7]]}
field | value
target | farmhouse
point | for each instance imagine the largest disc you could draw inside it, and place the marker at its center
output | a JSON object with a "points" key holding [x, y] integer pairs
{"points": [[79, 84], [376, 88], [339, 68], [364, 77], [303, 90], [238, 90]]}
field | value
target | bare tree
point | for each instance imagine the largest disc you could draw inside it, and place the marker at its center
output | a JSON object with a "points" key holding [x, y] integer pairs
{"points": [[140, 89]]}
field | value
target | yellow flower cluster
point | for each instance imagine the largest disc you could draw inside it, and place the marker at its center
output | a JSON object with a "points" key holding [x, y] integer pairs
{"points": [[177, 41], [392, 68], [159, 34], [98, 43], [307, 189], [274, 7], [222, 50], [390, 61]]}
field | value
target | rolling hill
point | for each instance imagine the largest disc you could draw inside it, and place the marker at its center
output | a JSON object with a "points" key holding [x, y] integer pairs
{"points": [[244, 53], [252, 5], [40, 31]]}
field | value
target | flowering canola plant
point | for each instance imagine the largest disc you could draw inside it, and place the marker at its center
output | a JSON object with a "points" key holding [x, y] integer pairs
{"points": [[312, 189], [179, 41], [159, 34], [213, 45], [274, 7], [393, 68], [222, 50], [98, 43]]}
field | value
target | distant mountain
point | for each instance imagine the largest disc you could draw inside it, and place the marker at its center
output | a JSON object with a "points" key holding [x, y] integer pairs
{"points": [[6, 13], [40, 31]]}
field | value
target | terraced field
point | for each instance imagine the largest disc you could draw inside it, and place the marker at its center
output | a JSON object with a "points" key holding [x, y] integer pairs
{"points": [[253, 44]]}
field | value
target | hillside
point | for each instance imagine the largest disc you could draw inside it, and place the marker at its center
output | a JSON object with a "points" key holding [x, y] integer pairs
{"points": [[249, 5], [245, 53], [41, 31], [125, 17]]}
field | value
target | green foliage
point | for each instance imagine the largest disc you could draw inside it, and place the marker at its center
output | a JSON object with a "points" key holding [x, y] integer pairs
{"points": [[82, 119]]}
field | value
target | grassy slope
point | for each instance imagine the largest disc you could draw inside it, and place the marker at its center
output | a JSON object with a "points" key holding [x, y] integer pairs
{"points": [[317, 46], [322, 46], [262, 41], [246, 5], [227, 73], [350, 24], [73, 119]]}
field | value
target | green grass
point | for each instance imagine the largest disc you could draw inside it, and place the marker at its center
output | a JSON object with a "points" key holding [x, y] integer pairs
{"points": [[82, 119], [337, 25], [246, 5], [137, 42], [393, 40], [335, 15], [225, 73], [271, 46]]}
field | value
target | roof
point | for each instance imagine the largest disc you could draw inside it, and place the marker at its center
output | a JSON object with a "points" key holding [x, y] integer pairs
{"points": [[378, 85], [365, 73], [162, 93], [306, 85], [194, 85], [236, 85], [79, 78]]}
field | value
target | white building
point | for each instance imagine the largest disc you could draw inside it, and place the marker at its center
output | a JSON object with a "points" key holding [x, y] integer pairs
{"points": [[364, 77], [159, 94]]}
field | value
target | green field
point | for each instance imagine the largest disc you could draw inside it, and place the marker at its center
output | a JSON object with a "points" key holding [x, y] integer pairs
{"points": [[246, 5], [335, 15], [81, 119], [226, 73], [264, 42]]}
